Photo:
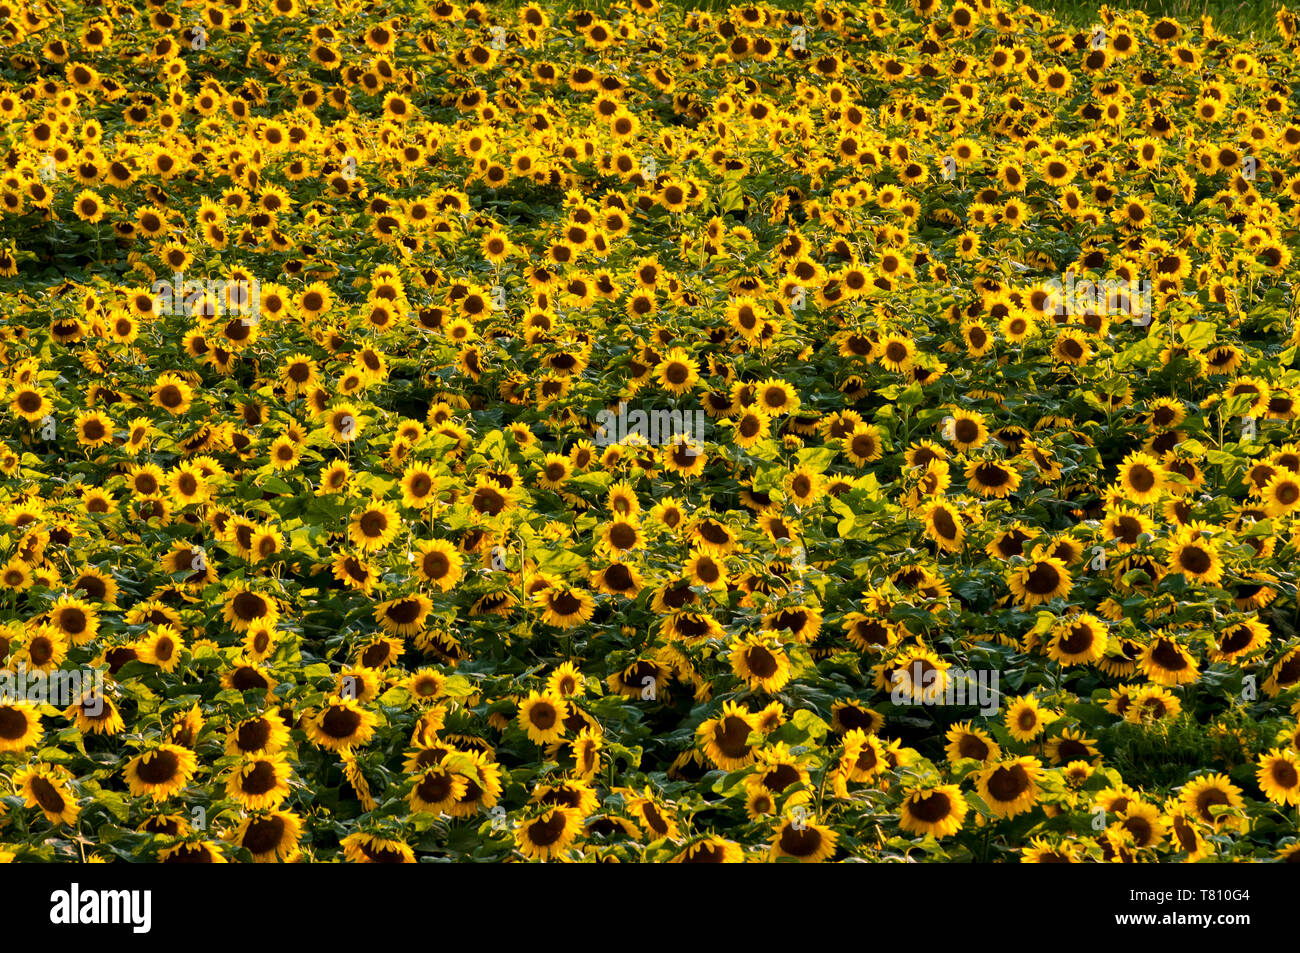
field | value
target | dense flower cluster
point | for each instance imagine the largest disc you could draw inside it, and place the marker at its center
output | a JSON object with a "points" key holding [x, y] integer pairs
{"points": [[462, 432]]}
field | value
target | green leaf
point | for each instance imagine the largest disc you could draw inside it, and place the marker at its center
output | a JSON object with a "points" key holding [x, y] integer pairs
{"points": [[1198, 335], [816, 459]]}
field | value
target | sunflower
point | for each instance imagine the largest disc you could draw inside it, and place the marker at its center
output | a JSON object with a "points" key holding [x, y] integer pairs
{"points": [[1010, 787], [15, 575], [1024, 719], [1126, 526], [683, 455], [298, 374], [161, 771], [404, 615], [89, 206], [438, 562], [192, 852], [618, 579], [354, 571], [483, 783], [555, 471], [93, 429], [95, 584], [1196, 557], [95, 714], [1166, 662], [1072, 746], [939, 811], [642, 679], [864, 444], [775, 396], [188, 485], [244, 608], [425, 686], [20, 725], [1184, 833], [576, 795], [46, 786], [1141, 478], [864, 757], [1142, 822], [966, 741], [75, 618], [271, 836], [284, 453], [759, 803], [801, 622], [1281, 494], [1040, 582], [706, 569], [1239, 639], [263, 734], [1152, 704], [43, 649], [990, 478], [341, 725], [436, 790], [965, 430], [803, 840], [364, 848], [677, 372], [725, 738], [315, 300], [761, 661], [172, 394], [374, 526], [710, 850], [1201, 795], [162, 647], [343, 424], [747, 316], [259, 782], [490, 498], [31, 404], [944, 524], [1278, 775], [564, 606], [548, 834], [869, 632], [1080, 640], [542, 717], [379, 652], [914, 676], [1042, 851]]}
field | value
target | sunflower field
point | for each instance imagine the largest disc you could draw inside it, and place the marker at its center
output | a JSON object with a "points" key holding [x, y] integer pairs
{"points": [[831, 432]]}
